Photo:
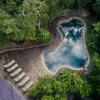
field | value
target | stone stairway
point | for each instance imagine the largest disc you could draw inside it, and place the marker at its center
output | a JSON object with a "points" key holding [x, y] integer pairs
{"points": [[20, 77]]}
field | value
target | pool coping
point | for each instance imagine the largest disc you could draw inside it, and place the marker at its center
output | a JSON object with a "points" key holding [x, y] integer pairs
{"points": [[83, 39], [85, 67]]}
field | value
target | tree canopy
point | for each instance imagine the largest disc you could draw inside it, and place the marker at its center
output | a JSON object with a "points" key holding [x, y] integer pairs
{"points": [[57, 87], [93, 45], [19, 20], [24, 20]]}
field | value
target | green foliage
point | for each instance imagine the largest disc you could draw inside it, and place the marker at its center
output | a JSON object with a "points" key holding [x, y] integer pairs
{"points": [[43, 35], [6, 22], [25, 29], [60, 85], [96, 61], [32, 12], [96, 7], [97, 27], [93, 43], [6, 27], [94, 77], [64, 4], [52, 7], [4, 40], [11, 6], [19, 20], [48, 98], [35, 9], [72, 82], [93, 38], [83, 3], [56, 6]]}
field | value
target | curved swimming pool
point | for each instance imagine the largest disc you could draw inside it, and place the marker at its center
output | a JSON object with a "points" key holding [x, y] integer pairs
{"points": [[71, 52]]}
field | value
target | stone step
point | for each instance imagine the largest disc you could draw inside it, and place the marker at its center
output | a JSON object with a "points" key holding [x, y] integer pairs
{"points": [[12, 68], [24, 81], [9, 64], [17, 71], [27, 86], [19, 77]]}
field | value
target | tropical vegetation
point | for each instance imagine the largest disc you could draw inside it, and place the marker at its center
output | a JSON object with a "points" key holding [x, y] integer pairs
{"points": [[22, 19], [59, 86], [28, 20]]}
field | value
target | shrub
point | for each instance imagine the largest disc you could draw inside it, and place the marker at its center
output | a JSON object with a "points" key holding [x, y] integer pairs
{"points": [[60, 85]]}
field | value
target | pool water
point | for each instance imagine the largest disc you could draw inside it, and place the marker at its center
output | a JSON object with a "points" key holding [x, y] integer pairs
{"points": [[71, 51]]}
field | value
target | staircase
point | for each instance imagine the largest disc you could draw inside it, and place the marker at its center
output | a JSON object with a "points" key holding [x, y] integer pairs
{"points": [[20, 77]]}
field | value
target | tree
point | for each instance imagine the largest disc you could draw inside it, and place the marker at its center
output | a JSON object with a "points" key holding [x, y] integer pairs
{"points": [[43, 36], [6, 22], [60, 85], [32, 12], [35, 9], [20, 20], [66, 4], [96, 7], [72, 82], [96, 61], [56, 6], [93, 43], [93, 38], [94, 77], [11, 6], [25, 29], [48, 98], [52, 7], [83, 3]]}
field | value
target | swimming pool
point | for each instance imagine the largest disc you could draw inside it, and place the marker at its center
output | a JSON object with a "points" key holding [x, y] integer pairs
{"points": [[71, 52]]}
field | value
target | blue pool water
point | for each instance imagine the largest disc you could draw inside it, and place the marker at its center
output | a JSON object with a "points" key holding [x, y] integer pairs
{"points": [[71, 51]]}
